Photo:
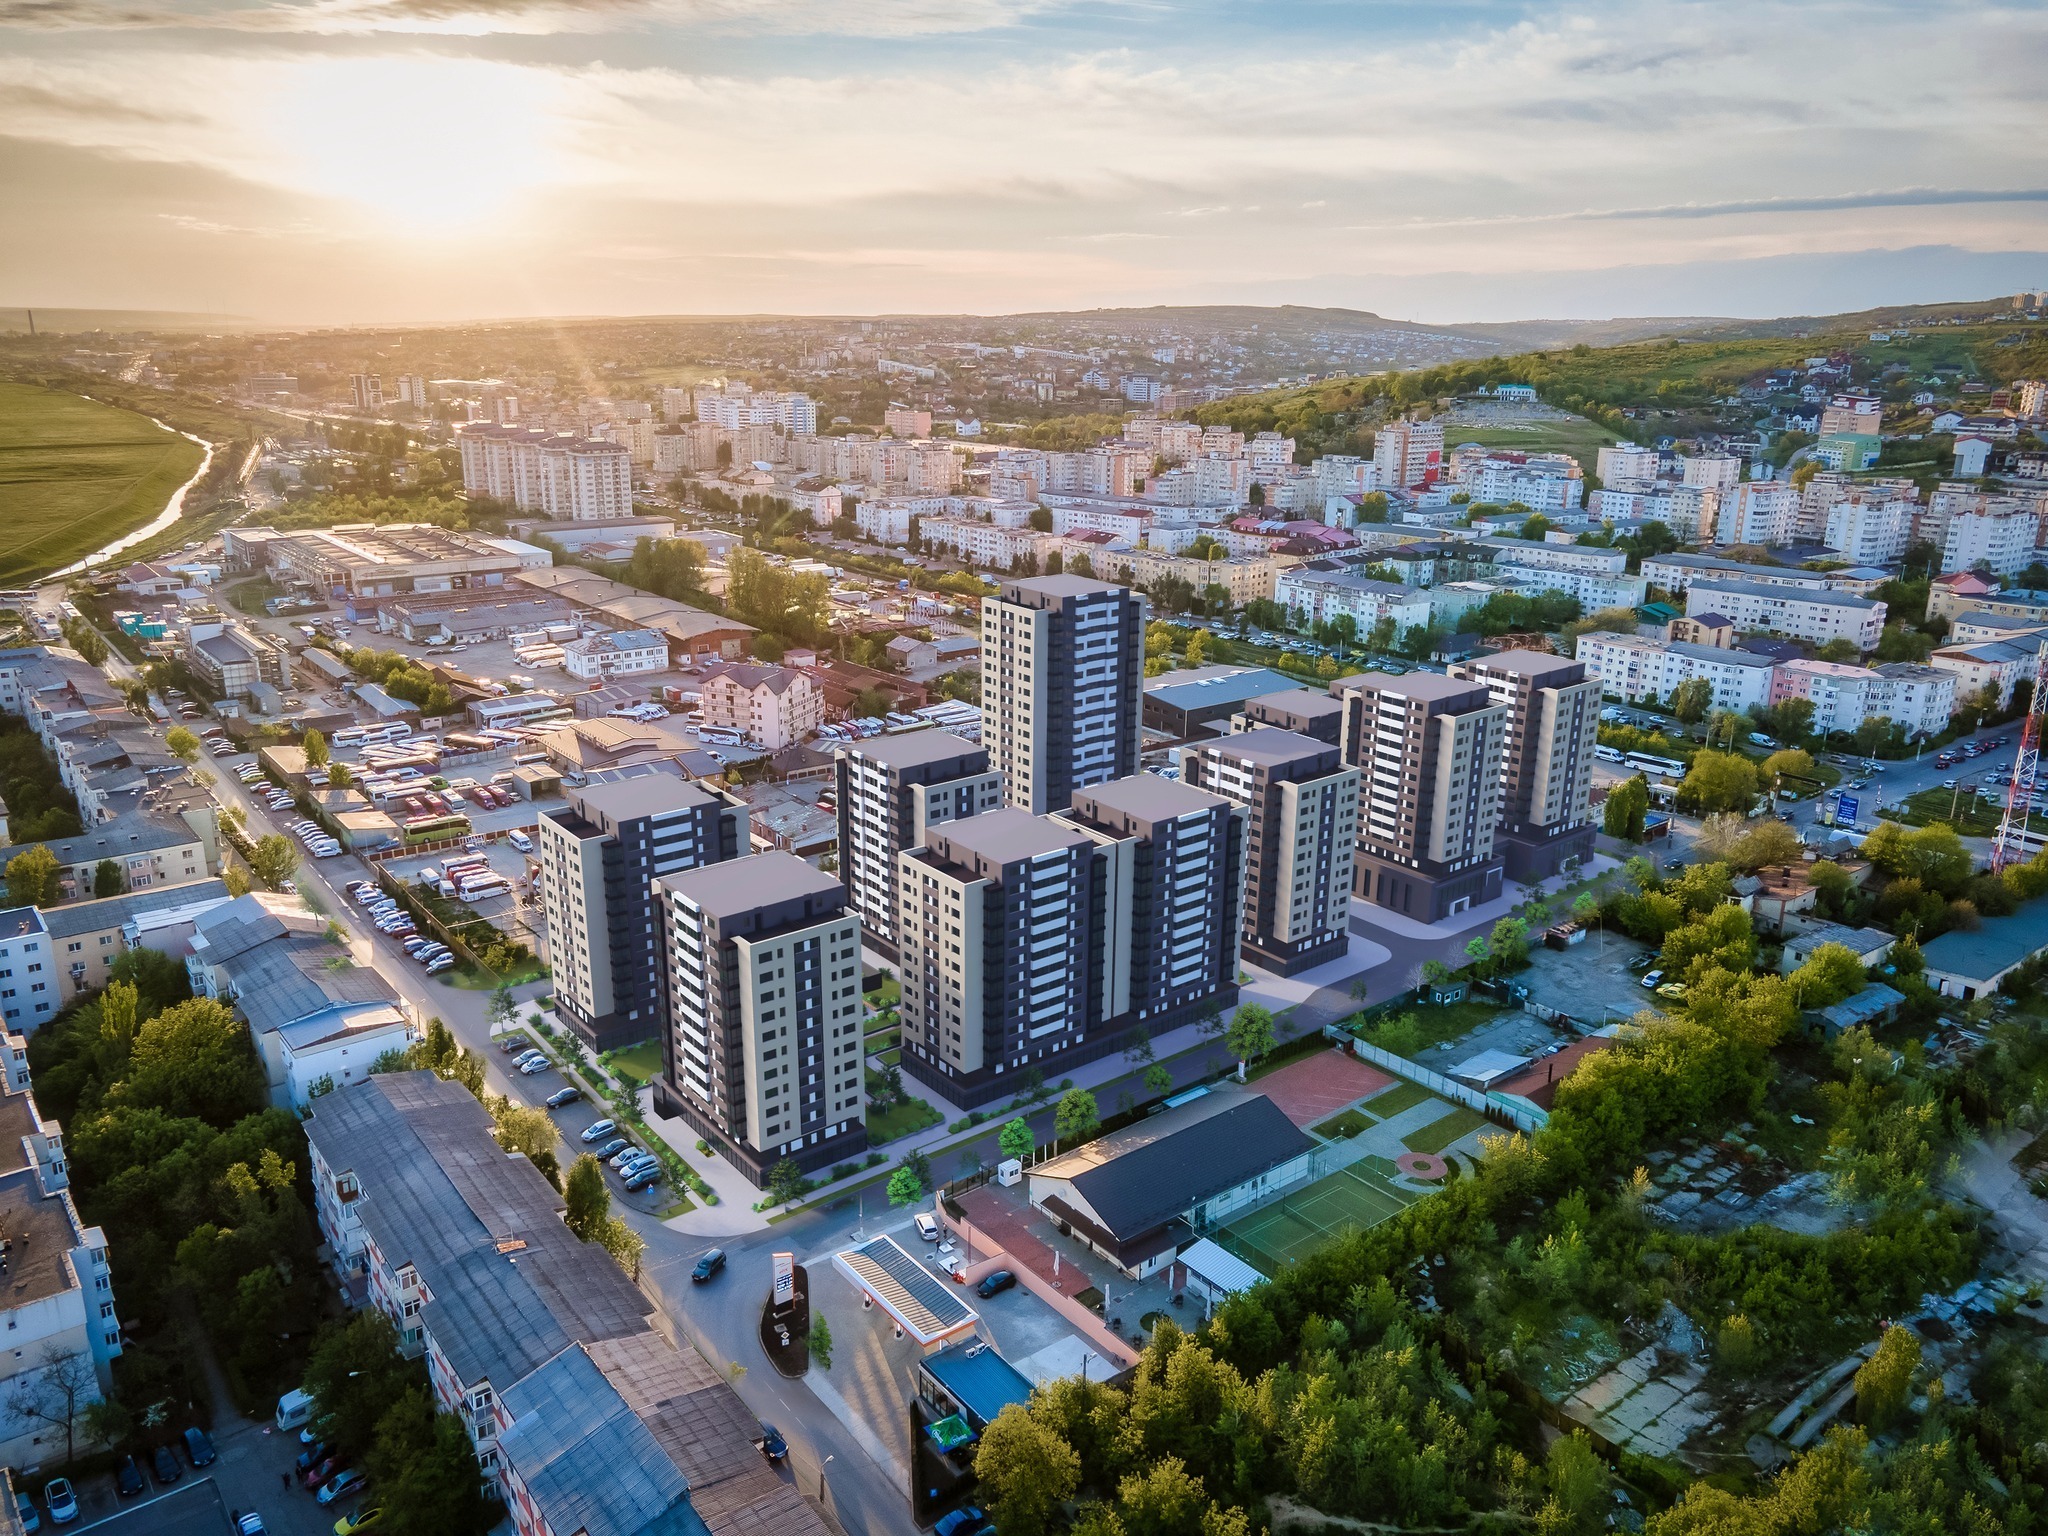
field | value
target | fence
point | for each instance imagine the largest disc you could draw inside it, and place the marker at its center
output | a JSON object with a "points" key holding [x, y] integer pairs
{"points": [[1444, 1087]]}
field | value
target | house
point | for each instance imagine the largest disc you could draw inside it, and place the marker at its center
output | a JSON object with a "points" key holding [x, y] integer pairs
{"points": [[1136, 1195], [146, 580], [926, 659], [1971, 963], [773, 707], [318, 1021], [1868, 945]]}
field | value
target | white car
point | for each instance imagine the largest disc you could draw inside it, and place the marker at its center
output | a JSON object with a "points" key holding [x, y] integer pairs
{"points": [[533, 1068]]}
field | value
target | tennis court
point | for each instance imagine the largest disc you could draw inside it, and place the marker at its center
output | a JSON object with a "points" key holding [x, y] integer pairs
{"points": [[1357, 1196]]}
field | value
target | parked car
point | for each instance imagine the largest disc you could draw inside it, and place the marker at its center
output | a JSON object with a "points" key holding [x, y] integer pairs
{"points": [[164, 1464], [645, 1177], [597, 1130], [967, 1520], [321, 1471], [610, 1149], [250, 1524], [128, 1477], [361, 1520], [773, 1446], [709, 1265], [995, 1282], [535, 1067], [341, 1485], [927, 1226], [1652, 980], [60, 1500], [311, 1456], [563, 1096]]}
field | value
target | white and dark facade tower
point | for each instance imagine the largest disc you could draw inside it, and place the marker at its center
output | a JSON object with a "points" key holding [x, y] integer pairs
{"points": [[1003, 952], [599, 857], [1302, 801], [762, 1054], [1174, 896], [889, 790], [1062, 687], [1430, 748], [1546, 813]]}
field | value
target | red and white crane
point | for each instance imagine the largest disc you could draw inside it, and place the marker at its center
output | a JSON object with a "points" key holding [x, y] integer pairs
{"points": [[2007, 847]]}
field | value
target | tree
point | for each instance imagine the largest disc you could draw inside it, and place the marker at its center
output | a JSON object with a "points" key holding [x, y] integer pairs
{"points": [[33, 878], [785, 1181], [424, 1466], [1831, 973], [1718, 781], [1510, 943], [1766, 842], [235, 878], [1839, 651], [1796, 761], [1932, 855], [193, 1059], [273, 858], [1076, 1118], [503, 1009], [183, 745], [107, 879], [355, 1374], [626, 1246], [523, 1128], [1015, 1139], [57, 1392], [1158, 1078], [905, 1188], [315, 748], [1885, 1379], [588, 1198], [1628, 805], [1250, 1035], [1025, 1470], [820, 1341], [340, 776], [1691, 699], [120, 1007]]}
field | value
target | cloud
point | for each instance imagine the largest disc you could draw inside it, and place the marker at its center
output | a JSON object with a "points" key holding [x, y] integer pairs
{"points": [[1903, 197], [474, 18]]}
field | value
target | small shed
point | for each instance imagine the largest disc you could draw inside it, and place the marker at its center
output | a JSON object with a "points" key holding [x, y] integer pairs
{"points": [[1873, 1005], [1213, 1273]]}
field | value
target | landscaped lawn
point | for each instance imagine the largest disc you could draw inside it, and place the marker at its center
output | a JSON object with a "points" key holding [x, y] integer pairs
{"points": [[1345, 1125], [887, 995], [899, 1120], [75, 474], [1439, 1134], [640, 1062], [1436, 1024], [1390, 1102]]}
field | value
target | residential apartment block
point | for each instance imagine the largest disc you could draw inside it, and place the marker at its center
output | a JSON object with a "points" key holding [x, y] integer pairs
{"points": [[1431, 750], [1062, 679], [890, 790], [1174, 874], [1800, 615], [600, 855], [1630, 667], [1408, 454], [763, 1051], [772, 706], [621, 653], [1546, 814], [1917, 698], [1002, 921], [1300, 710], [1301, 804], [575, 479]]}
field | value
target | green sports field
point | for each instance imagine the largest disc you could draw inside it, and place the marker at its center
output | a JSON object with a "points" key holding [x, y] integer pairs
{"points": [[75, 474], [1351, 1199]]}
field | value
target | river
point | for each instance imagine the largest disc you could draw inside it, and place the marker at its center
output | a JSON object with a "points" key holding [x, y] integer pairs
{"points": [[173, 510]]}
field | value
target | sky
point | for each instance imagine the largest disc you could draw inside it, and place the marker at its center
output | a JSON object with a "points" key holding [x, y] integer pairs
{"points": [[346, 161]]}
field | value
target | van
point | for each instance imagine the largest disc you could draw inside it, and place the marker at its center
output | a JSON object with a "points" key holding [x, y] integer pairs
{"points": [[519, 840], [294, 1409]]}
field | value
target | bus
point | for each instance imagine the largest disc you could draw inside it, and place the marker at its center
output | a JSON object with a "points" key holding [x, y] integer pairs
{"points": [[435, 826], [1670, 767]]}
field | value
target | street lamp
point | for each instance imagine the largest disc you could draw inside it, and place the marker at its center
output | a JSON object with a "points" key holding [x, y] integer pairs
{"points": [[821, 1478]]}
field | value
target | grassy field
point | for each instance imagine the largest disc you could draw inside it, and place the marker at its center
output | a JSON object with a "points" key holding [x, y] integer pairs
{"points": [[1972, 817], [1439, 1134], [1580, 438], [75, 474]]}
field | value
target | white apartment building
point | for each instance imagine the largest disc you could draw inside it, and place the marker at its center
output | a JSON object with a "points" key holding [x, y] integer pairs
{"points": [[1758, 512], [1688, 511], [1815, 616], [1593, 589], [1869, 532], [1408, 454], [1852, 415], [1675, 573], [366, 391], [1627, 467], [1998, 536], [1220, 481], [984, 545], [738, 406], [29, 991], [2000, 665], [773, 707], [1133, 525], [1343, 474], [1546, 556], [1542, 482], [1269, 451], [1631, 667], [886, 520], [1313, 596], [1712, 472], [569, 479], [622, 653], [1919, 699]]}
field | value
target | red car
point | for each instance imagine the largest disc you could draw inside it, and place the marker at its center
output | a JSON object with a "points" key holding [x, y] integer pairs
{"points": [[321, 1470]]}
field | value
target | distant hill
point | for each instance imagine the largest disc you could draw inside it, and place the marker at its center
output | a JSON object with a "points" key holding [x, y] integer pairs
{"points": [[71, 322]]}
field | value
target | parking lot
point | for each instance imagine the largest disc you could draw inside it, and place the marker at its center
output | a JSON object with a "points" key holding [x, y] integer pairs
{"points": [[574, 1118], [1591, 981]]}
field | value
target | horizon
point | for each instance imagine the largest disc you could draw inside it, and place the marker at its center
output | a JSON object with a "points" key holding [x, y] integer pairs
{"points": [[394, 162]]}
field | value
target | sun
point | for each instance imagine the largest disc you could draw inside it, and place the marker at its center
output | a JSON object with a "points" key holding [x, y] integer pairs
{"points": [[426, 145]]}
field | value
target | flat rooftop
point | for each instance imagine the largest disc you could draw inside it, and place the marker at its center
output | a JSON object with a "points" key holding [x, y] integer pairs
{"points": [[1430, 686], [760, 880], [1305, 702], [1149, 797], [1269, 746], [1003, 836], [911, 749], [1522, 663], [1053, 588], [38, 1233], [650, 794], [1193, 687]]}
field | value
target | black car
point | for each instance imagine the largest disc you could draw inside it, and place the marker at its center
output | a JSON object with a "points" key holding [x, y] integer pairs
{"points": [[198, 1447], [128, 1477], [709, 1265], [563, 1096], [312, 1456], [995, 1282], [773, 1446], [165, 1466]]}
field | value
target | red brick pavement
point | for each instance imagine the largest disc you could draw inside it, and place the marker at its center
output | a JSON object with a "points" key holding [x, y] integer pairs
{"points": [[1311, 1090]]}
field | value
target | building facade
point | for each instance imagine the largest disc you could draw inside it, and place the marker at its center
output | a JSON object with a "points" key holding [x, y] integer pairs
{"points": [[889, 790], [1062, 680], [599, 858], [1546, 813], [1431, 750], [1631, 667], [762, 1054], [773, 707], [1301, 805], [1799, 615]]}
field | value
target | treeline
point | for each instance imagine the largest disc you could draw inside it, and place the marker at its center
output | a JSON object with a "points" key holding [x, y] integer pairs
{"points": [[330, 509], [38, 805], [402, 678]]}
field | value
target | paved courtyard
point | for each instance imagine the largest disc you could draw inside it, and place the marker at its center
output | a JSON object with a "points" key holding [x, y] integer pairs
{"points": [[1309, 1091]]}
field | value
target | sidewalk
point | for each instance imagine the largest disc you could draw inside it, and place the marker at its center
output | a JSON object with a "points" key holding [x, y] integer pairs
{"points": [[734, 1213]]}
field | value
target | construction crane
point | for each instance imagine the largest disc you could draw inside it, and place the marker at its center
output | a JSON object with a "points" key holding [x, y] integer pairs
{"points": [[2019, 794]]}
